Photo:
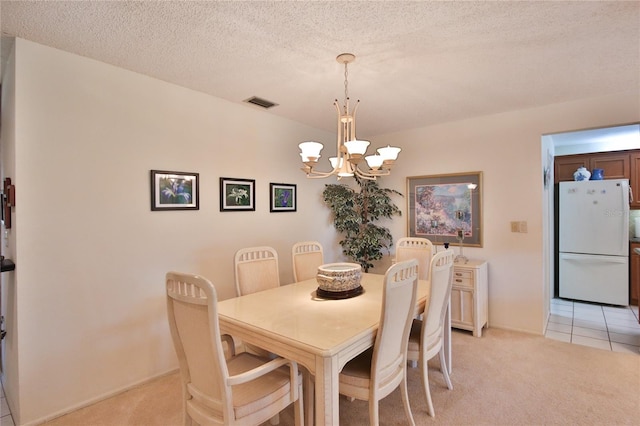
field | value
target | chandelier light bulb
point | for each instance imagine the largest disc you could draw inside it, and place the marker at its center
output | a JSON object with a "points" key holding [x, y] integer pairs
{"points": [[374, 161], [336, 162], [356, 147], [310, 151], [389, 152]]}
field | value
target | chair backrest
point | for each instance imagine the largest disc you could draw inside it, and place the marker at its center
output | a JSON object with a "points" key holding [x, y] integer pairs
{"points": [[416, 248], [256, 269], [306, 256], [441, 278], [398, 306], [192, 308]]}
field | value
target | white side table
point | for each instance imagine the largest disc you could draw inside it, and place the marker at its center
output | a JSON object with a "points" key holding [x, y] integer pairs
{"points": [[470, 296]]}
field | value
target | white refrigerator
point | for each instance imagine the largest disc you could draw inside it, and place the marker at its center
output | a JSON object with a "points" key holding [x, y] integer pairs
{"points": [[593, 235]]}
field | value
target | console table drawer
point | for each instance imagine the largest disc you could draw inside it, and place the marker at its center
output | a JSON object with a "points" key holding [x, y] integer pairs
{"points": [[462, 277]]}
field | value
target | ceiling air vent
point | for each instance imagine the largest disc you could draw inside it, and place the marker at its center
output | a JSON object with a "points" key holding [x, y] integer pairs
{"points": [[260, 102]]}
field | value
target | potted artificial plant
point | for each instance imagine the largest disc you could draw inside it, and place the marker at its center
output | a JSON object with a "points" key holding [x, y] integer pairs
{"points": [[355, 214]]}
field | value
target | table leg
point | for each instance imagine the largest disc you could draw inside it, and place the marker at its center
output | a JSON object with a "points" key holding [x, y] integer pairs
{"points": [[327, 391], [308, 397]]}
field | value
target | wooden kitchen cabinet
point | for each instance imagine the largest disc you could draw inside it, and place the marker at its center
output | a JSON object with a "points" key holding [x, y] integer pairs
{"points": [[634, 274], [634, 179], [616, 165], [566, 166], [470, 296]]}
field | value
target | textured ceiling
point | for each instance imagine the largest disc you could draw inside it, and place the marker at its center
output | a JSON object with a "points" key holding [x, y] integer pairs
{"points": [[418, 63]]}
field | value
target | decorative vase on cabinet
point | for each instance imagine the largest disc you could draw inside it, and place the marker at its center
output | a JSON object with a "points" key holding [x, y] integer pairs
{"points": [[581, 174], [598, 174]]}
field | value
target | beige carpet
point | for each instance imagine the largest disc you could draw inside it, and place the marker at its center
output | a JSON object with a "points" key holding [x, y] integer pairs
{"points": [[503, 378]]}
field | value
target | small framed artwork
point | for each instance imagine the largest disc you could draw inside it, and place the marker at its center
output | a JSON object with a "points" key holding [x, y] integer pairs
{"points": [[446, 208], [282, 197], [174, 190], [237, 194]]}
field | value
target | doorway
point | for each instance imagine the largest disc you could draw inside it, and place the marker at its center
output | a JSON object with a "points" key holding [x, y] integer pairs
{"points": [[606, 139]]}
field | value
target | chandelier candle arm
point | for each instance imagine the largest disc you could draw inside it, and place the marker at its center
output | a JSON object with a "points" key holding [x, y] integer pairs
{"points": [[350, 151]]}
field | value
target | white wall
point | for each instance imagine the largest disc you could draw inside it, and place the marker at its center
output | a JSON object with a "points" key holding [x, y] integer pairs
{"points": [[91, 256], [507, 149], [89, 316]]}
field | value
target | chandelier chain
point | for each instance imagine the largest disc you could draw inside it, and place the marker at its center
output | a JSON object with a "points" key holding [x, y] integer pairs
{"points": [[346, 83]]}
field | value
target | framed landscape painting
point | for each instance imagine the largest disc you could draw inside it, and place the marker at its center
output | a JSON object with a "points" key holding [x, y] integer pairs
{"points": [[237, 194], [283, 197], [445, 208], [174, 190]]}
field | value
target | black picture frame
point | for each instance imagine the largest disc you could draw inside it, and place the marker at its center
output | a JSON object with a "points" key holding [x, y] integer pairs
{"points": [[237, 194], [174, 190], [283, 197]]}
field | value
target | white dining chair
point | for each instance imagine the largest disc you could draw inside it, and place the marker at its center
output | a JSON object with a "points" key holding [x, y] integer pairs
{"points": [[378, 371], [415, 248], [306, 256], [236, 389], [426, 339], [256, 269]]}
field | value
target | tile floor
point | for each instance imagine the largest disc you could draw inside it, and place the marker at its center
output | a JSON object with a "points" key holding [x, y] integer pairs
{"points": [[613, 328], [5, 413]]}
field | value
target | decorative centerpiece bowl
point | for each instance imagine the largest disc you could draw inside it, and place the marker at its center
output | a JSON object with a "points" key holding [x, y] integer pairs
{"points": [[339, 280]]}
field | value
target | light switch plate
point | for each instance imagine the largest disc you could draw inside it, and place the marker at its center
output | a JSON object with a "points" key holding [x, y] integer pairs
{"points": [[520, 227], [523, 227]]}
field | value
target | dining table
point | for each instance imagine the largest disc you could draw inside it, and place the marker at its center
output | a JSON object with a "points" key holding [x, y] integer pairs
{"points": [[320, 334]]}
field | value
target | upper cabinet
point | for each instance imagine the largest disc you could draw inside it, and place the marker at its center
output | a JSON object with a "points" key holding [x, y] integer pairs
{"points": [[634, 179], [567, 165], [616, 165]]}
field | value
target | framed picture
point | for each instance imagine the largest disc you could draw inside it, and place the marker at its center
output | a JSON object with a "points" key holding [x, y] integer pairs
{"points": [[446, 208], [174, 190], [283, 197], [237, 194]]}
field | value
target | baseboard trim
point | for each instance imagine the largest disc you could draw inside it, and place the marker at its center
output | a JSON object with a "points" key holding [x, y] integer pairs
{"points": [[97, 399]]}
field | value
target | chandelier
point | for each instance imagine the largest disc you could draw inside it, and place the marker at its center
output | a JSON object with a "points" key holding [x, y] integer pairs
{"points": [[350, 152]]}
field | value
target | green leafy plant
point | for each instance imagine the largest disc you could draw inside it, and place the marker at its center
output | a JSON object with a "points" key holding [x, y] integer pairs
{"points": [[355, 214]]}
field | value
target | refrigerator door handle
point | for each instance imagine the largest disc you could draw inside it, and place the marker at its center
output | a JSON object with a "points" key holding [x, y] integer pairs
{"points": [[625, 211], [630, 195], [592, 259]]}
